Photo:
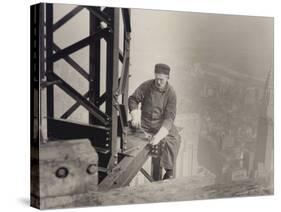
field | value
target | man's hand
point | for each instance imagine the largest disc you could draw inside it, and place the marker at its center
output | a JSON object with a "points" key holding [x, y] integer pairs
{"points": [[162, 133], [136, 119]]}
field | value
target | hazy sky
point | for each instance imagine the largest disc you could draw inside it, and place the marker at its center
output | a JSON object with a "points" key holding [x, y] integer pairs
{"points": [[240, 43]]}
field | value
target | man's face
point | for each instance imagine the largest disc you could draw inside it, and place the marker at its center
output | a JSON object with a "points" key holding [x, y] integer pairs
{"points": [[161, 80]]}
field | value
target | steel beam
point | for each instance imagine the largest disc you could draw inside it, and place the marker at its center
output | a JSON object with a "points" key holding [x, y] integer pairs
{"points": [[124, 74], [147, 176], [121, 56], [112, 81], [73, 64], [49, 63], [126, 19], [65, 129], [42, 42], [99, 101], [94, 64], [122, 174], [156, 170], [35, 15], [67, 113], [79, 45], [67, 17], [99, 14], [79, 98]]}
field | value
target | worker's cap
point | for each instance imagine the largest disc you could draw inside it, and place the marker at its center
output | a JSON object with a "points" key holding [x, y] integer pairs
{"points": [[162, 68]]}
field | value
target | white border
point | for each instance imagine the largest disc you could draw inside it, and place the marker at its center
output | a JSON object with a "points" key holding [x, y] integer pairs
{"points": [[14, 111]]}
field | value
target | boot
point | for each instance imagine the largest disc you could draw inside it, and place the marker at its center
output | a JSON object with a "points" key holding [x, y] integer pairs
{"points": [[168, 174]]}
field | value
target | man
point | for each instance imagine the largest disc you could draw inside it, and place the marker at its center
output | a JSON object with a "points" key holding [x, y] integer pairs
{"points": [[158, 111]]}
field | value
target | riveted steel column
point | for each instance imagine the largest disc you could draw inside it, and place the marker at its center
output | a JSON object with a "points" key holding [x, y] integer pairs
{"points": [[49, 64], [94, 65], [112, 82]]}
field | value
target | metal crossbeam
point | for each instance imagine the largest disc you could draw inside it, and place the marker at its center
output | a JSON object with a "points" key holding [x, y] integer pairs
{"points": [[73, 64], [67, 113], [79, 45], [79, 98], [128, 167], [45, 84], [100, 15], [67, 17], [65, 129], [101, 99], [147, 176]]}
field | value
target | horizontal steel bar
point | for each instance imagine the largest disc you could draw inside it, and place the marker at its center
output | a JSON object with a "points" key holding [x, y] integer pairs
{"points": [[79, 98], [71, 62], [73, 107], [79, 45], [66, 129], [45, 84], [67, 17]]}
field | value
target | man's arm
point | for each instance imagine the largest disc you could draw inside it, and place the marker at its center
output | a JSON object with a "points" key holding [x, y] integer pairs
{"points": [[133, 103], [136, 98]]}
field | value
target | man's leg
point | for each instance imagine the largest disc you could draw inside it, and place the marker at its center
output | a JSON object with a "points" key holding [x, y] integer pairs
{"points": [[169, 155]]}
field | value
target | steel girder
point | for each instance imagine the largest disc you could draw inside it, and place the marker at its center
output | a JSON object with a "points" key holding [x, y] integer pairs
{"points": [[103, 128]]}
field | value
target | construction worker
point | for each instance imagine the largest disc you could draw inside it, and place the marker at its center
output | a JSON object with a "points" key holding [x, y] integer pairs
{"points": [[158, 110]]}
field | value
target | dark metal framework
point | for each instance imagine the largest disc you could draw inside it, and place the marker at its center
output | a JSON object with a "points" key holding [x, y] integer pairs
{"points": [[103, 128]]}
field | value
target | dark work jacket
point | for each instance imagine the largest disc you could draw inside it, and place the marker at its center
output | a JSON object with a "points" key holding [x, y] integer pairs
{"points": [[158, 107]]}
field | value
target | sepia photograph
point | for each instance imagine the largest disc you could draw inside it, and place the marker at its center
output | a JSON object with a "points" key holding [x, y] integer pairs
{"points": [[135, 106]]}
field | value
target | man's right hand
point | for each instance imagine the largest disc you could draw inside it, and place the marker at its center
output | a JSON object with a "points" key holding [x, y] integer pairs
{"points": [[136, 118]]}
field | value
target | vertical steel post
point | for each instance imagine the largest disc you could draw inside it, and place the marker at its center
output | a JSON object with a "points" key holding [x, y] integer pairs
{"points": [[94, 65], [156, 170], [94, 84], [112, 60], [49, 65], [34, 87]]}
